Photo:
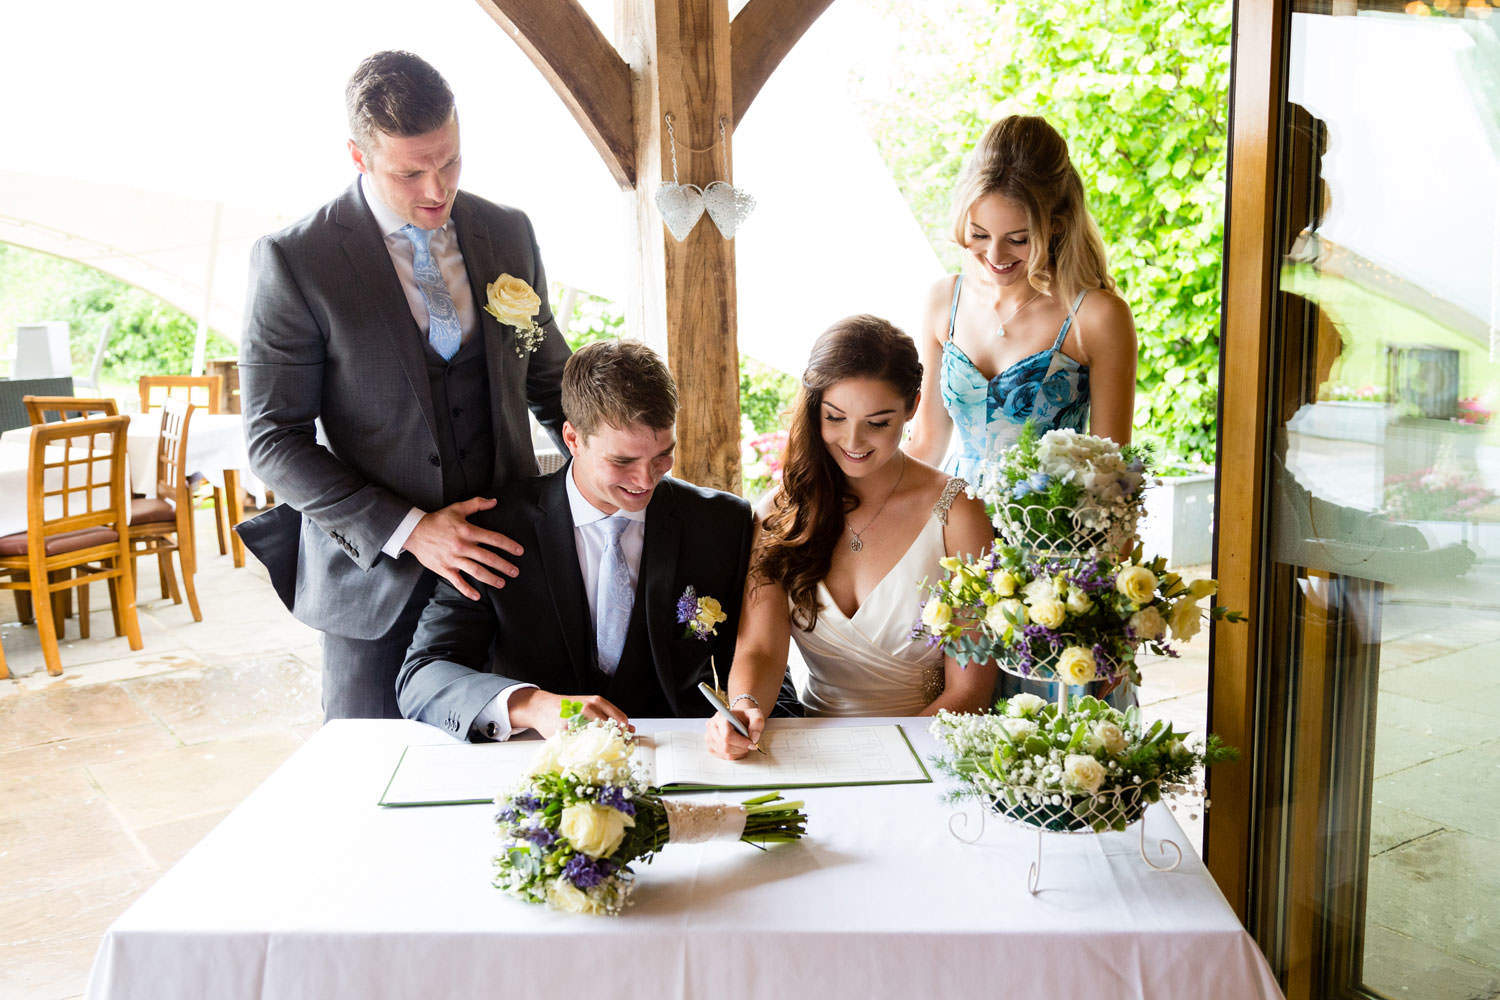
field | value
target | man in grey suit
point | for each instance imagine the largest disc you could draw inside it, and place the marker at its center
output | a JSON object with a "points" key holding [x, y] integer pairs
{"points": [[365, 322]]}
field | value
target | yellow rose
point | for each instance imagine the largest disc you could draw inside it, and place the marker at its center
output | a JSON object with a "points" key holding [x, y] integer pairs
{"points": [[592, 829], [1199, 589], [1186, 619], [564, 895], [1076, 665], [1078, 602], [1137, 583], [1005, 583], [950, 563], [710, 613], [936, 615], [512, 301], [1049, 613]]}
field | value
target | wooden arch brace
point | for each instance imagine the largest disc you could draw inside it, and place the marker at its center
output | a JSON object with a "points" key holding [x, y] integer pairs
{"points": [[596, 84]]}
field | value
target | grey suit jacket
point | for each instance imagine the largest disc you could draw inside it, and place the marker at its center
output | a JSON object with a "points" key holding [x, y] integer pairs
{"points": [[329, 338]]}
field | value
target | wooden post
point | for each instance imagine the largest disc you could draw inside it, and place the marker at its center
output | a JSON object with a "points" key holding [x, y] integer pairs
{"points": [[688, 78], [681, 57]]}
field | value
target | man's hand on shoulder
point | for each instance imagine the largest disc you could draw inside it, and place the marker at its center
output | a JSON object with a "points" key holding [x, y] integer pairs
{"points": [[445, 542], [533, 708]]}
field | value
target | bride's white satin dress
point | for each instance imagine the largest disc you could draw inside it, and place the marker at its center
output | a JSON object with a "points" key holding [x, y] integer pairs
{"points": [[870, 664]]}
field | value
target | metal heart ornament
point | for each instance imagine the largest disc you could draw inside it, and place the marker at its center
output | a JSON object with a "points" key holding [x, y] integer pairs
{"points": [[728, 206], [681, 206]]}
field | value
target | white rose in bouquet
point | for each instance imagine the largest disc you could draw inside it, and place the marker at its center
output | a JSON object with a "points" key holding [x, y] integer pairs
{"points": [[1040, 589], [937, 614], [1186, 619], [1017, 729], [1148, 624], [1049, 613], [564, 895], [586, 749], [1024, 705], [1079, 602], [593, 829], [1004, 582], [1110, 737], [1000, 614], [1082, 774]]}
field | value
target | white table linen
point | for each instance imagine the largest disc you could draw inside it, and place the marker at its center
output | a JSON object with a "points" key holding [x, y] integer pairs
{"points": [[216, 442], [310, 890]]}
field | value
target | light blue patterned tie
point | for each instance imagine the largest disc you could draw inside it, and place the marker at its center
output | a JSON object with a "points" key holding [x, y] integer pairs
{"points": [[615, 596], [443, 330]]}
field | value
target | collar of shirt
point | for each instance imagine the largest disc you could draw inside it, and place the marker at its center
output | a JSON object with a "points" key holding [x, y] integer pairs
{"points": [[585, 512], [389, 222]]}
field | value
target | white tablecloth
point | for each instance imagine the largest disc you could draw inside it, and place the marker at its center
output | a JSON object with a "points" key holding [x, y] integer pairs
{"points": [[310, 890], [216, 442], [15, 457]]}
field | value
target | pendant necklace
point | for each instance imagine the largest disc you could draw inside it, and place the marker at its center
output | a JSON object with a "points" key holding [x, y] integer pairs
{"points": [[1000, 332], [856, 543]]}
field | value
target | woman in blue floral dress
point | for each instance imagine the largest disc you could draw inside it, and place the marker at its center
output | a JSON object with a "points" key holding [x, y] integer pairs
{"points": [[1031, 328]]}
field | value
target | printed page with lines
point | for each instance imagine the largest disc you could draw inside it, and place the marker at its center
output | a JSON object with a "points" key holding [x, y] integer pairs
{"points": [[794, 758]]}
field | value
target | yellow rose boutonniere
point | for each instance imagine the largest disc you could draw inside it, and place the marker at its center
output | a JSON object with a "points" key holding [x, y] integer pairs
{"points": [[515, 303]]}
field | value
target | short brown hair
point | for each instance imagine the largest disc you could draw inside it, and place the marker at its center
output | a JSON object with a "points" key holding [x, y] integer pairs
{"points": [[619, 383], [396, 93]]}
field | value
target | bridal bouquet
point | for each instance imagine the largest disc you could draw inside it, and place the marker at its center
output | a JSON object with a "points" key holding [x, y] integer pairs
{"points": [[575, 824], [1065, 491], [1077, 620], [1087, 767]]}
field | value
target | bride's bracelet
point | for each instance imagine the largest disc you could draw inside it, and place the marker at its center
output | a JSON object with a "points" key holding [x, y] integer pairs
{"points": [[744, 697]]}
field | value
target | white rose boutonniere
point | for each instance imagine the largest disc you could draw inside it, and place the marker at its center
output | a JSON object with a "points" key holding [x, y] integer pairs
{"points": [[515, 303]]}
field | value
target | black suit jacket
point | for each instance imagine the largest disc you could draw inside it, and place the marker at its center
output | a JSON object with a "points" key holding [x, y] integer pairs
{"points": [[536, 629]]}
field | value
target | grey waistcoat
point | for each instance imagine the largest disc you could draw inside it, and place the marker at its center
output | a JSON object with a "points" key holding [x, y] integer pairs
{"points": [[461, 403]]}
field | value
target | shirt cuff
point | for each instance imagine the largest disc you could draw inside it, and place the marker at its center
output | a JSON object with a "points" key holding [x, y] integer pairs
{"points": [[392, 546], [497, 713]]}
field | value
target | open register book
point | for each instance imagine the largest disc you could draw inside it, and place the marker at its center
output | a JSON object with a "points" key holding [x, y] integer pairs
{"points": [[675, 760]]}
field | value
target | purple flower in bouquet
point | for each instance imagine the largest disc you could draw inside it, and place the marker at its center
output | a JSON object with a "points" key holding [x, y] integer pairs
{"points": [[586, 872], [614, 796]]}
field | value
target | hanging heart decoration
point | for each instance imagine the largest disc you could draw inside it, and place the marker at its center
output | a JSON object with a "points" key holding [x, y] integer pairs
{"points": [[681, 206], [728, 206]]}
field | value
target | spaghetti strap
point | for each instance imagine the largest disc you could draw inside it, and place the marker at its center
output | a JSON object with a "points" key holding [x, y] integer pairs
{"points": [[1067, 323], [958, 283]]}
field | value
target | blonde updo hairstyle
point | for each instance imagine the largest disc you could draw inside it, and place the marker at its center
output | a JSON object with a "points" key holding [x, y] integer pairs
{"points": [[1024, 159]]}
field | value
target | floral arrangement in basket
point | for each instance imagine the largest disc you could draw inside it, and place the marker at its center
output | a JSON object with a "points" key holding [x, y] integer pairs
{"points": [[1078, 620], [1065, 492], [1087, 767], [574, 825]]}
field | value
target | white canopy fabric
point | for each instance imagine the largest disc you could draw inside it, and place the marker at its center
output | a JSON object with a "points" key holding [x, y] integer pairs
{"points": [[156, 141]]}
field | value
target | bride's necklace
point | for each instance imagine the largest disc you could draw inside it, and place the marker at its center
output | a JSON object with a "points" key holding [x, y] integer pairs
{"points": [[1000, 331], [857, 543]]}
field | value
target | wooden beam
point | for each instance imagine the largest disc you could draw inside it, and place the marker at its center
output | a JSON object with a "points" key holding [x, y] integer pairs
{"points": [[1245, 375], [762, 33], [568, 48], [679, 51]]}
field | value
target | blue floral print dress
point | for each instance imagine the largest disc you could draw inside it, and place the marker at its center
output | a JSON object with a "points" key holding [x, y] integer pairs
{"points": [[1048, 387]]}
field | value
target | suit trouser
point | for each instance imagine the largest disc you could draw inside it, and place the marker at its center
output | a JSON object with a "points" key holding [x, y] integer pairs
{"points": [[359, 675]]}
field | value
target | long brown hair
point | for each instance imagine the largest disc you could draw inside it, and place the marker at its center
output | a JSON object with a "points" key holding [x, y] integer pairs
{"points": [[808, 510], [1024, 159]]}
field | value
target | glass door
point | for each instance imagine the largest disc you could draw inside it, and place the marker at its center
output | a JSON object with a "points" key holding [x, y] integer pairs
{"points": [[1368, 826]]}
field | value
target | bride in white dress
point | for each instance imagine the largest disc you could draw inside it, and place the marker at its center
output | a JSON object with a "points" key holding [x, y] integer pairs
{"points": [[844, 545]]}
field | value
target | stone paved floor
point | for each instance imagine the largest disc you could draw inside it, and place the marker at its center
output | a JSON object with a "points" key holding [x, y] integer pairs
{"points": [[111, 772]]}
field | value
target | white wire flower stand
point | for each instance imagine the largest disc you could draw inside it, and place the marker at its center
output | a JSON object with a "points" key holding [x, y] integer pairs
{"points": [[1050, 811]]}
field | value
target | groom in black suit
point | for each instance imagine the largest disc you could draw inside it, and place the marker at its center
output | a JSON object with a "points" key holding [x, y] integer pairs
{"points": [[610, 545]]}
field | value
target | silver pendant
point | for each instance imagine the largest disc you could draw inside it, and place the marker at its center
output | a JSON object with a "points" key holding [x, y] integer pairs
{"points": [[855, 543]]}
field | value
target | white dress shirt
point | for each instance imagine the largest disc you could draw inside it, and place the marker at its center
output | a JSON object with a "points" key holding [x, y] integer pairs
{"points": [[590, 539], [450, 261]]}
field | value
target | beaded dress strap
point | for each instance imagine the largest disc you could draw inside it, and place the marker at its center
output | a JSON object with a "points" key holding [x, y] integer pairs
{"points": [[954, 487]]}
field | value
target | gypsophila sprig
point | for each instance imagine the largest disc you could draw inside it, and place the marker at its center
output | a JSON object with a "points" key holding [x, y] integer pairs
{"points": [[584, 814], [1089, 767]]}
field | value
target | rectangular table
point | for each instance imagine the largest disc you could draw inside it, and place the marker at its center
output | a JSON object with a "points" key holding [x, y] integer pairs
{"points": [[310, 890]]}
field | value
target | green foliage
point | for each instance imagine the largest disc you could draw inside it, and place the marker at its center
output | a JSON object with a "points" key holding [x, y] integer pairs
{"points": [[1140, 92], [150, 337], [766, 395], [593, 318]]}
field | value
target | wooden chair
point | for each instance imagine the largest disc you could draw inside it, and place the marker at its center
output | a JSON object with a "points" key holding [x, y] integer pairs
{"points": [[50, 409], [77, 525], [163, 524], [207, 393]]}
